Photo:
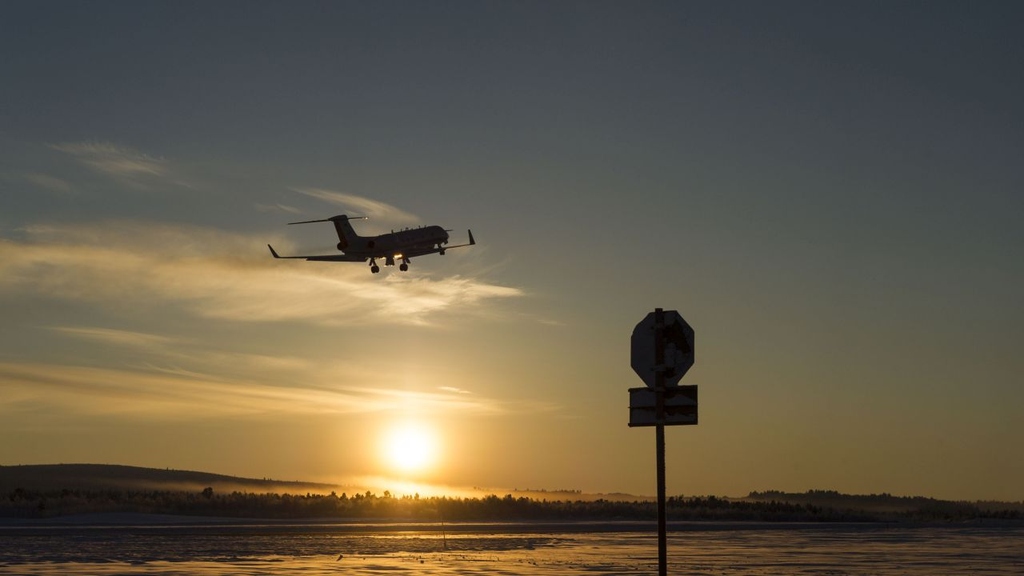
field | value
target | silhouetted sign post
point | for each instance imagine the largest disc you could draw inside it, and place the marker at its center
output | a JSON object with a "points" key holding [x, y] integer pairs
{"points": [[661, 351]]}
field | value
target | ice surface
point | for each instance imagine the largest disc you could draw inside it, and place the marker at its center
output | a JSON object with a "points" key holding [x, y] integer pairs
{"points": [[314, 549]]}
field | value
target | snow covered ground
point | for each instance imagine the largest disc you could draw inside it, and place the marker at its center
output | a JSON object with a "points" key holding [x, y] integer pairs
{"points": [[317, 549]]}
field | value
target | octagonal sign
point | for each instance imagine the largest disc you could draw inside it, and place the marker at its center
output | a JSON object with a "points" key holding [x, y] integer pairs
{"points": [[676, 346]]}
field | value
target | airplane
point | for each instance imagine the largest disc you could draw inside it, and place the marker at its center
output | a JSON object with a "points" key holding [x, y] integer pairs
{"points": [[401, 245]]}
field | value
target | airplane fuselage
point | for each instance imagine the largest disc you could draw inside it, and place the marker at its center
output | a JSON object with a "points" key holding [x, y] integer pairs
{"points": [[408, 243]]}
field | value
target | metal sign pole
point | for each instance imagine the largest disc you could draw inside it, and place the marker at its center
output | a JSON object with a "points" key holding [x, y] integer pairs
{"points": [[659, 393], [663, 402]]}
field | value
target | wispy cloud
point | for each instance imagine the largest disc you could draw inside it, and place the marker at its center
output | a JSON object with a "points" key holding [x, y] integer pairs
{"points": [[196, 362], [191, 395], [180, 379], [361, 206], [50, 183], [124, 338], [184, 357], [216, 274], [277, 208], [113, 160]]}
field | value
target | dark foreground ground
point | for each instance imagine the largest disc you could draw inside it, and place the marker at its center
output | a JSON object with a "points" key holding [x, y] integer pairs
{"points": [[116, 545]]}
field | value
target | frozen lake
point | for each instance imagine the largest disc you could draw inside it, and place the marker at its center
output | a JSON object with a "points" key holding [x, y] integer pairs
{"points": [[210, 548]]}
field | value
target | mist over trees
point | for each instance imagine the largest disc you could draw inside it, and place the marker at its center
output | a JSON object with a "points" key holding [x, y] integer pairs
{"points": [[368, 506], [56, 491]]}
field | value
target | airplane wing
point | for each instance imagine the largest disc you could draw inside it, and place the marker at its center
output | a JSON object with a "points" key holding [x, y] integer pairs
{"points": [[411, 252], [325, 258]]}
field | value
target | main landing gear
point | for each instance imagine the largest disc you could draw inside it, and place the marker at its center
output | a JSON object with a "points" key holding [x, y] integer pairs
{"points": [[389, 261]]}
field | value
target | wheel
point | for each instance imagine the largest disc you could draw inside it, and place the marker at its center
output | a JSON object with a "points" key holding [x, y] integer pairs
{"points": [[403, 267], [374, 268]]}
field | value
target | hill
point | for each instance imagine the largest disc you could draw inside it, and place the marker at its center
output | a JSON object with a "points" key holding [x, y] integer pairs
{"points": [[50, 477]]}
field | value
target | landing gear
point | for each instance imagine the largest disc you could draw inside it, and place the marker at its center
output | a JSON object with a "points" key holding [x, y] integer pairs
{"points": [[389, 261]]}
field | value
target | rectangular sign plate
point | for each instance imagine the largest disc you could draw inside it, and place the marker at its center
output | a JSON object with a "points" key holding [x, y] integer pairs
{"points": [[680, 406]]}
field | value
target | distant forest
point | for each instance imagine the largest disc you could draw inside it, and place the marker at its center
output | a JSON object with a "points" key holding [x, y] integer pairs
{"points": [[47, 499]]}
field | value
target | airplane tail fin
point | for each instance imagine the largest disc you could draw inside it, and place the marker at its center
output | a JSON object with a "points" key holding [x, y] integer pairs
{"points": [[346, 234]]}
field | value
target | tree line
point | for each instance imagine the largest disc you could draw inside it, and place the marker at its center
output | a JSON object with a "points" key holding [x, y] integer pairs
{"points": [[23, 503]]}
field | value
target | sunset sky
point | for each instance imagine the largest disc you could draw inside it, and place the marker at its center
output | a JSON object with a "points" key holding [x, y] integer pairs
{"points": [[832, 194]]}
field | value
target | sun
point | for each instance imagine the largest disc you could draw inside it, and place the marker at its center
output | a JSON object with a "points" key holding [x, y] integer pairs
{"points": [[410, 447]]}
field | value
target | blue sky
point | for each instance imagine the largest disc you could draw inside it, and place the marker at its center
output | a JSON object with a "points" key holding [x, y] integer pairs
{"points": [[829, 193]]}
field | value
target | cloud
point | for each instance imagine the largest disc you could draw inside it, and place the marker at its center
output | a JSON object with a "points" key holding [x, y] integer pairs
{"points": [[112, 160], [50, 183], [183, 357], [191, 395], [177, 379], [117, 337], [361, 206], [277, 208], [216, 274]]}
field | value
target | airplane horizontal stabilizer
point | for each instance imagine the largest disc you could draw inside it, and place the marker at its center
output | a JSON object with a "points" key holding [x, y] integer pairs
{"points": [[331, 219]]}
